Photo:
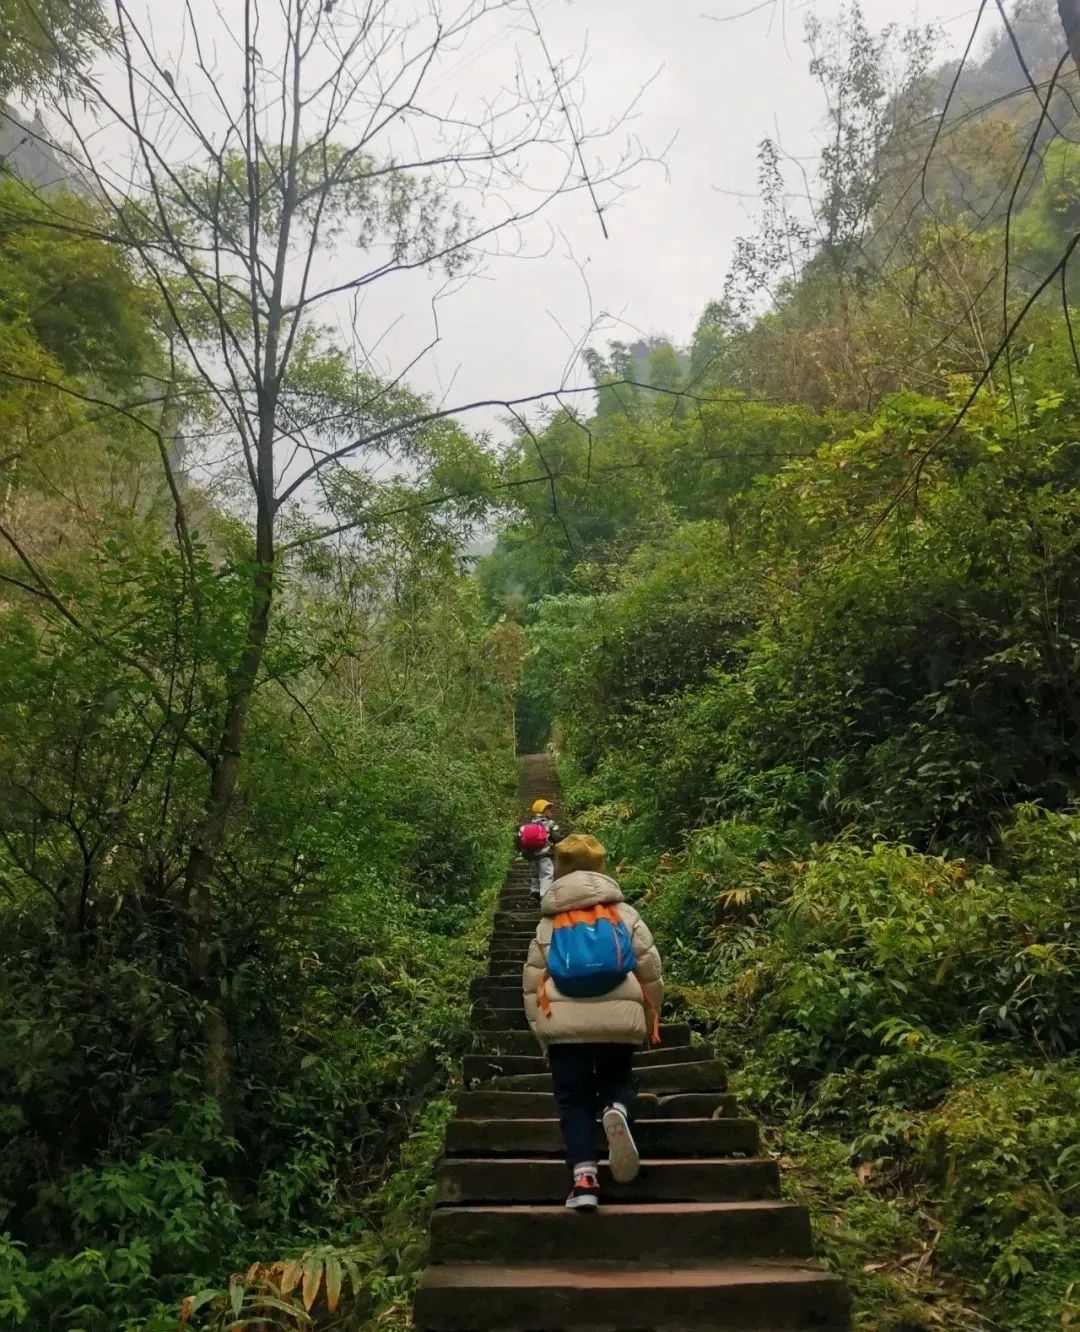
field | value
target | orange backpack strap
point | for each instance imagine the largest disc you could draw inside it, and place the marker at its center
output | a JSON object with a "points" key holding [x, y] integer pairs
{"points": [[652, 1017], [542, 997], [584, 916]]}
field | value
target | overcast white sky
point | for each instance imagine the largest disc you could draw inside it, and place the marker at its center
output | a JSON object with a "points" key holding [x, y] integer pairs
{"points": [[719, 84], [721, 87]]}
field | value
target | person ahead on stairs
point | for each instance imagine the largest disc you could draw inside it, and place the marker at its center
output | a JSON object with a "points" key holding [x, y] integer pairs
{"points": [[593, 988], [536, 841]]}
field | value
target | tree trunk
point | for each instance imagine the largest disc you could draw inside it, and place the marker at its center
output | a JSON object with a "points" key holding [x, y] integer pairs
{"points": [[204, 946], [1069, 10]]}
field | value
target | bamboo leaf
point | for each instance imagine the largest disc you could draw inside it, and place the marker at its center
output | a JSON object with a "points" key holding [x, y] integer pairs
{"points": [[352, 1269], [313, 1270], [290, 1276], [333, 1282], [296, 1314], [191, 1304]]}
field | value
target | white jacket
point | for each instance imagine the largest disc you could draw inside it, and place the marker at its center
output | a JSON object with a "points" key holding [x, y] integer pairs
{"points": [[625, 1015]]}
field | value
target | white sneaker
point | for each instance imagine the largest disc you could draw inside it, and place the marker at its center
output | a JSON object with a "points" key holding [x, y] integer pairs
{"points": [[624, 1161]]}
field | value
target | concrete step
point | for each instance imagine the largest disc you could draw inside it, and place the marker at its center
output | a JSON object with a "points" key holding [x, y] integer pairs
{"points": [[511, 1018], [682, 1233], [528, 1180], [710, 1076], [484, 1104], [573, 1297], [524, 1042], [488, 1017], [515, 920], [654, 1137], [480, 1067], [484, 1005], [504, 994], [699, 1242]]}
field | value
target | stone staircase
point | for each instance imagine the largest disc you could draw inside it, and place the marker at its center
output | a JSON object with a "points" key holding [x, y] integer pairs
{"points": [[700, 1240]]}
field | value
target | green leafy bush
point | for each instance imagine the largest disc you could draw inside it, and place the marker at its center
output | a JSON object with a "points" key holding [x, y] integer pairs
{"points": [[348, 900]]}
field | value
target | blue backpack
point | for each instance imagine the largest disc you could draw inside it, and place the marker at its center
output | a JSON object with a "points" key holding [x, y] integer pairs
{"points": [[591, 952]]}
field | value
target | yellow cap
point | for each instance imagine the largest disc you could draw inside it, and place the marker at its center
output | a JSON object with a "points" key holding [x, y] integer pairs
{"points": [[538, 806], [579, 851]]}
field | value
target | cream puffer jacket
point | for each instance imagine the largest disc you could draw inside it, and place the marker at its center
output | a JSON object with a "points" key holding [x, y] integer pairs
{"points": [[625, 1015]]}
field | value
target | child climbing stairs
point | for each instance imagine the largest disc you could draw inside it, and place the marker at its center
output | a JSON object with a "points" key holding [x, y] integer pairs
{"points": [[700, 1240]]}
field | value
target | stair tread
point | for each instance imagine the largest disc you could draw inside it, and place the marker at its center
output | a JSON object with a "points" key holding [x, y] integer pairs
{"points": [[488, 1104], [524, 1180], [642, 1123], [542, 1210], [666, 1073], [697, 1053], [647, 1162], [504, 1040], [700, 1241], [619, 1275]]}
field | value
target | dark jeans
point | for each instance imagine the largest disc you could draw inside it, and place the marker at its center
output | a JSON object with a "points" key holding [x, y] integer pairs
{"points": [[588, 1078]]}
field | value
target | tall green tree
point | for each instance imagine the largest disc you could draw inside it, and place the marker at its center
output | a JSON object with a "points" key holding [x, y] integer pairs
{"points": [[285, 160], [42, 39]]}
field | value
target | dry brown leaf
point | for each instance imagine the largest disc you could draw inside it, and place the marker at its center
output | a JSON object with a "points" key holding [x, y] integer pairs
{"points": [[313, 1270], [333, 1283], [290, 1275]]}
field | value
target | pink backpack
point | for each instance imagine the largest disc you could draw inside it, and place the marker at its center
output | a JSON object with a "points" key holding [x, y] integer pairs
{"points": [[533, 836]]}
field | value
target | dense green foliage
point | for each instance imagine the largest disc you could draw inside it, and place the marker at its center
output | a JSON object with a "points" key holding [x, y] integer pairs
{"points": [[806, 627], [370, 820], [39, 36], [802, 609]]}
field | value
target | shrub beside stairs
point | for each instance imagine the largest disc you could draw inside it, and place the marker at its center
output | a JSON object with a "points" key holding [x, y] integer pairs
{"points": [[700, 1240]]}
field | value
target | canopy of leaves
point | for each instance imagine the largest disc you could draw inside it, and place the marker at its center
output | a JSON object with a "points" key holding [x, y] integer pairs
{"points": [[369, 821], [38, 36]]}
